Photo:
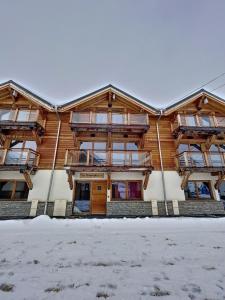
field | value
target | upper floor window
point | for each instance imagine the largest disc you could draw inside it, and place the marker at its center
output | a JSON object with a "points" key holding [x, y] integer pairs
{"points": [[125, 146], [189, 147], [92, 145], [24, 144], [101, 118]]}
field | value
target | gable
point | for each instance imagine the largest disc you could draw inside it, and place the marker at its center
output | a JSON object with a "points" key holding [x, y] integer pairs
{"points": [[13, 94], [201, 101], [106, 97]]}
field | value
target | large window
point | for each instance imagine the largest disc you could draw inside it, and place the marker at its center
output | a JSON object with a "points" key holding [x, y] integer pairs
{"points": [[13, 190], [197, 190], [126, 190]]}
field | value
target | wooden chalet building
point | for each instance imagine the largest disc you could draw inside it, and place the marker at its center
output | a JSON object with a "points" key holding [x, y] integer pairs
{"points": [[110, 154]]}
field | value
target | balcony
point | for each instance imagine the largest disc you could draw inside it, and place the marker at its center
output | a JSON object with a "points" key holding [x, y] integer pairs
{"points": [[111, 121], [100, 160], [201, 125], [21, 121], [194, 161], [18, 159]]}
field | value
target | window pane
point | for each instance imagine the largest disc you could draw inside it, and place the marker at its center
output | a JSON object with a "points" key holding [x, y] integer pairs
{"points": [[6, 114], [101, 118], [118, 118], [190, 192], [21, 190], [118, 146], [23, 115], [205, 120], [31, 145], [81, 117], [134, 190], [6, 188], [190, 120], [85, 145], [203, 190], [195, 147], [118, 190], [213, 148], [132, 146], [100, 146], [222, 148], [118, 158], [99, 158], [16, 144], [182, 148]]}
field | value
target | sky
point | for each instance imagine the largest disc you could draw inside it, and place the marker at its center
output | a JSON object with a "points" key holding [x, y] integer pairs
{"points": [[156, 50]]}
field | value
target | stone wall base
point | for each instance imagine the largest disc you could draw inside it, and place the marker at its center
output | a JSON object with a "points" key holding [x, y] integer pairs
{"points": [[23, 209]]}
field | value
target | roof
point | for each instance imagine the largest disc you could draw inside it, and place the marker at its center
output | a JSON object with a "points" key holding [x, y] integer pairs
{"points": [[202, 92], [27, 93], [115, 90], [68, 105]]}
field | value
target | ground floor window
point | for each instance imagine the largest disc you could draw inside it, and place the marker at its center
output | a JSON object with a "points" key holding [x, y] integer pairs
{"points": [[127, 190], [198, 190], [13, 190]]}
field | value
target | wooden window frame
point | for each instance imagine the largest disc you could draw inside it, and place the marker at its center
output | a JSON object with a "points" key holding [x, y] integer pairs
{"points": [[13, 192], [212, 197], [126, 183]]}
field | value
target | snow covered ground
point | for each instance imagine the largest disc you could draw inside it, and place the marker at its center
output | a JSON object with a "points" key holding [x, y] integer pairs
{"points": [[176, 258]]}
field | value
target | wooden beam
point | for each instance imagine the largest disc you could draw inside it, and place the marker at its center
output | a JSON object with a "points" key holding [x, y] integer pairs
{"points": [[185, 179], [221, 177], [210, 140], [70, 179], [28, 180], [108, 180], [178, 139], [146, 180]]}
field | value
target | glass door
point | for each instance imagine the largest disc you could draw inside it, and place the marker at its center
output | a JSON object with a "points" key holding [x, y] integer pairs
{"points": [[82, 198]]}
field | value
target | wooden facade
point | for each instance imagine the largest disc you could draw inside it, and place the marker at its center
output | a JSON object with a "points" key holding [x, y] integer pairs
{"points": [[109, 131]]}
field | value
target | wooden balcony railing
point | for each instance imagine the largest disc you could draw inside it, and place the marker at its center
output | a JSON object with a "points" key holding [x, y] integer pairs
{"points": [[201, 160], [189, 120], [108, 118], [19, 157], [109, 158], [20, 116]]}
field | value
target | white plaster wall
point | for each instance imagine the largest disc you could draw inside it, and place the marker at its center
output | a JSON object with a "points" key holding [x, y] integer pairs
{"points": [[154, 189], [60, 187], [173, 186], [40, 185]]}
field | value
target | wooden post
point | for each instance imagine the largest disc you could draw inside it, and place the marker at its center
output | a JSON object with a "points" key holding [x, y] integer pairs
{"points": [[70, 179], [221, 177], [28, 180], [185, 180], [146, 180]]}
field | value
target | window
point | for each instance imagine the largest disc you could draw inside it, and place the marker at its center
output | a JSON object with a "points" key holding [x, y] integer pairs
{"points": [[205, 120], [118, 118], [190, 120], [23, 145], [198, 190], [125, 146], [92, 145], [13, 190], [101, 118], [127, 190]]}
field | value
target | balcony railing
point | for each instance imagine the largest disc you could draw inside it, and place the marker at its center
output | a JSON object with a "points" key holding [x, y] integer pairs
{"points": [[190, 120], [110, 158], [110, 118], [201, 160], [19, 157], [20, 116]]}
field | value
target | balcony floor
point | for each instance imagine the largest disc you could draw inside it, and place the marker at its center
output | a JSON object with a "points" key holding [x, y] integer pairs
{"points": [[202, 169], [8, 126], [110, 127], [198, 130], [108, 168]]}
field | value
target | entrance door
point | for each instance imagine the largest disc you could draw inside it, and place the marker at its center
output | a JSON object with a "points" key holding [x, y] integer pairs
{"points": [[82, 198], [98, 197]]}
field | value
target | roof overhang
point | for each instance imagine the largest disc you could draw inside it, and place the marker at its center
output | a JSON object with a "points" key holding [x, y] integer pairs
{"points": [[27, 94], [180, 104], [114, 90]]}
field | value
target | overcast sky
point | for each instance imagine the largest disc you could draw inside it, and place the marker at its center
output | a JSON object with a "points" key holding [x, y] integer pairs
{"points": [[156, 50]]}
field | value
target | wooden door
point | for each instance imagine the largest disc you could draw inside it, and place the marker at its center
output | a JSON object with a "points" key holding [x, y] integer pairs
{"points": [[98, 197]]}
